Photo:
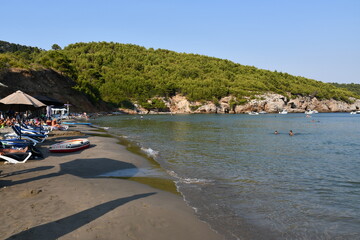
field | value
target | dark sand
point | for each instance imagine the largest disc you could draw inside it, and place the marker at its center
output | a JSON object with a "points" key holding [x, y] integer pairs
{"points": [[63, 197]]}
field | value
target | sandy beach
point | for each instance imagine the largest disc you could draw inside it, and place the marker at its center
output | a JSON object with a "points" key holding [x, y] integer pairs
{"points": [[63, 197]]}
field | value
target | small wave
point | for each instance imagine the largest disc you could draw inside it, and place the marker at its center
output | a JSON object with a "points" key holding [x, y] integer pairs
{"points": [[150, 152], [189, 180]]}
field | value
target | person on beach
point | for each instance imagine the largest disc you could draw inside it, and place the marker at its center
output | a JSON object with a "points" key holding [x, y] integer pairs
{"points": [[9, 122], [2, 123], [291, 133], [48, 121], [54, 124]]}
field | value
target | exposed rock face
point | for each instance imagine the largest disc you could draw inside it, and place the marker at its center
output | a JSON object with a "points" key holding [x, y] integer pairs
{"points": [[225, 105], [179, 104], [271, 103], [209, 107], [307, 103], [47, 83]]}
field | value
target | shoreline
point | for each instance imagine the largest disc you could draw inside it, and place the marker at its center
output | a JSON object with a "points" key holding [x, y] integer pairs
{"points": [[63, 196]]}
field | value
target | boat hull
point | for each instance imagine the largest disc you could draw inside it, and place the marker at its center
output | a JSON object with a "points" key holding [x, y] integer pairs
{"points": [[70, 146]]}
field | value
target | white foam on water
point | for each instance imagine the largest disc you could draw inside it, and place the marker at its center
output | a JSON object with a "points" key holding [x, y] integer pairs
{"points": [[189, 180], [150, 152]]}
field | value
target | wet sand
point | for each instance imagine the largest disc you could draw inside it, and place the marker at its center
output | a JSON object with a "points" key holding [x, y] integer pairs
{"points": [[63, 197]]}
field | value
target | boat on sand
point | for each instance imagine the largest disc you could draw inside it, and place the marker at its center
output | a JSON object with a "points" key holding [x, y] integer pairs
{"points": [[70, 145]]}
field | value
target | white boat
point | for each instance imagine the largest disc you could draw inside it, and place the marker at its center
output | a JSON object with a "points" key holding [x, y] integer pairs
{"points": [[355, 112], [253, 113], [262, 112], [311, 111], [283, 112]]}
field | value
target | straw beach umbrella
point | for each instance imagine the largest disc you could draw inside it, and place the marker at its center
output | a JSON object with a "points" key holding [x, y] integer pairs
{"points": [[21, 102]]}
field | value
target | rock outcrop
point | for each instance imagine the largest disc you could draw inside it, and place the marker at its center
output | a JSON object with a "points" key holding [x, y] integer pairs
{"points": [[179, 104], [270, 103]]}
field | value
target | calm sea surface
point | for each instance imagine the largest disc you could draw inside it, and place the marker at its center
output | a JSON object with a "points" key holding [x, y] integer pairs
{"points": [[249, 183]]}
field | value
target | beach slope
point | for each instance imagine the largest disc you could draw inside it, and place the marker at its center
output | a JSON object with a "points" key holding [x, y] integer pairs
{"points": [[64, 196]]}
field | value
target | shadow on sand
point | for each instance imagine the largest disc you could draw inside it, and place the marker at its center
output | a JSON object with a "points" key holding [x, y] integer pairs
{"points": [[26, 171], [68, 224], [85, 168]]}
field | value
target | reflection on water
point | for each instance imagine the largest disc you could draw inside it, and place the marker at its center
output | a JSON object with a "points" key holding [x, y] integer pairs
{"points": [[246, 181]]}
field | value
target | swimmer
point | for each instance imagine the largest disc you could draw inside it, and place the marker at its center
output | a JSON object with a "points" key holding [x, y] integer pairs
{"points": [[276, 132], [291, 133]]}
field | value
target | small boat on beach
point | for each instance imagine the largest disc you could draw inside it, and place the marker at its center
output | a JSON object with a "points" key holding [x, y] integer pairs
{"points": [[70, 145]]}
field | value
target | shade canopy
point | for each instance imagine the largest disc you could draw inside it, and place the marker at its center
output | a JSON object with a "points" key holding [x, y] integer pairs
{"points": [[20, 102]]}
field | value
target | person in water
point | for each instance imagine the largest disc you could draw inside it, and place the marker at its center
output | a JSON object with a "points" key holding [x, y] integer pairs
{"points": [[276, 132], [291, 133]]}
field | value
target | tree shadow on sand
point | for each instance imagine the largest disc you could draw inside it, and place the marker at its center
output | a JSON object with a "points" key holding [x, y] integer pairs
{"points": [[84, 168], [5, 183], [26, 171], [59, 228]]}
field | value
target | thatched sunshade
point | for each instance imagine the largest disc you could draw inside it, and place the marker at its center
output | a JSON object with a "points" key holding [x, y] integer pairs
{"points": [[21, 102]]}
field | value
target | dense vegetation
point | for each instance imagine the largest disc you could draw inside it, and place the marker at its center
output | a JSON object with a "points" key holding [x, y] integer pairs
{"points": [[123, 73], [349, 86], [12, 47]]}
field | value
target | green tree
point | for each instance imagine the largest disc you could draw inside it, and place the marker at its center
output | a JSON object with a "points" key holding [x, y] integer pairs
{"points": [[55, 47]]}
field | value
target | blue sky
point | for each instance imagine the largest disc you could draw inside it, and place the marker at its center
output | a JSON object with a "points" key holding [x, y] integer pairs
{"points": [[317, 39]]}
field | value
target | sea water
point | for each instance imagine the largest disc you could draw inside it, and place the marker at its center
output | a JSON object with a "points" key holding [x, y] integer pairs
{"points": [[249, 183]]}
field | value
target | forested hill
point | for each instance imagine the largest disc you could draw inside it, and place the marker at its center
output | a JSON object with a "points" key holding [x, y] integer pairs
{"points": [[12, 47], [124, 73], [349, 86]]}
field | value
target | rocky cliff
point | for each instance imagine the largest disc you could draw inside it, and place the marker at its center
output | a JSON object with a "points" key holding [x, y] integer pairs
{"points": [[271, 103]]}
